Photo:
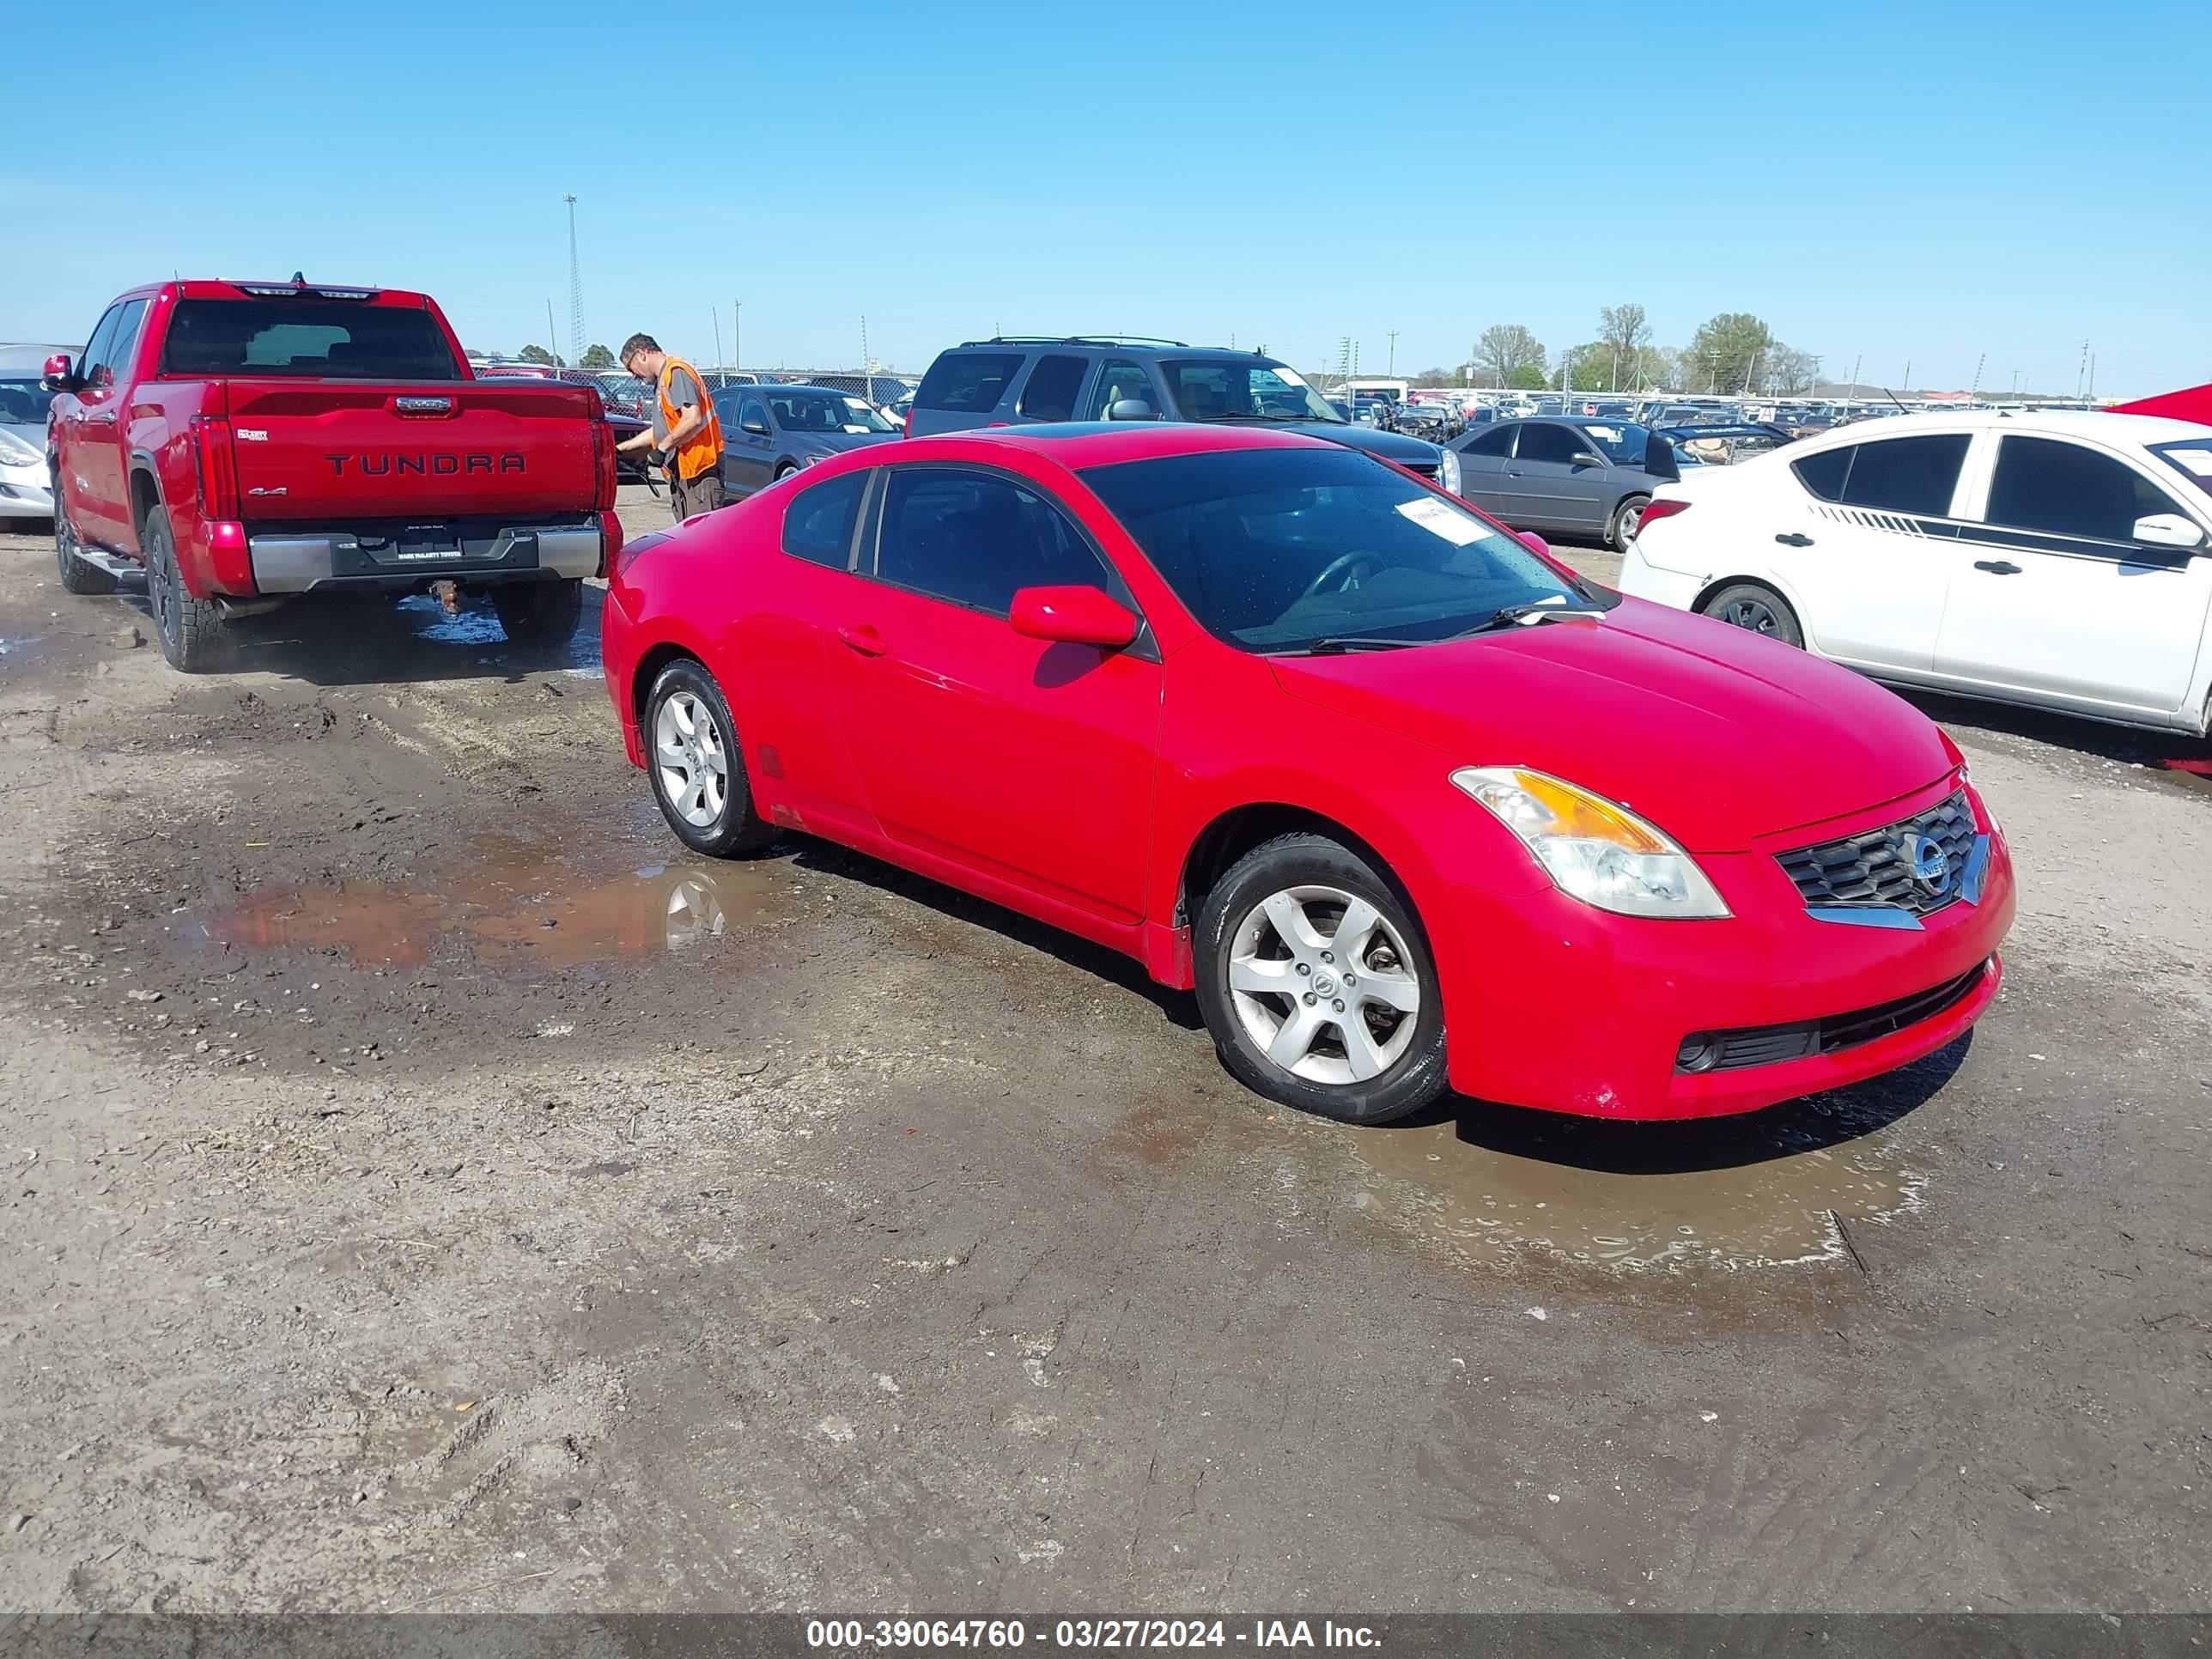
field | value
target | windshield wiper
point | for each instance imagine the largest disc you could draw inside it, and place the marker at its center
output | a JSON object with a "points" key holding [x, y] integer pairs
{"points": [[1539, 610], [1336, 645]]}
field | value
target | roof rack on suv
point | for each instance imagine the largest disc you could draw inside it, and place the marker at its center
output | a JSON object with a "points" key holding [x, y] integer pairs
{"points": [[1077, 339]]}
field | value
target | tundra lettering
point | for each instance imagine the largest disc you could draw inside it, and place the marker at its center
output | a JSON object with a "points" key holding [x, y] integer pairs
{"points": [[377, 466]]}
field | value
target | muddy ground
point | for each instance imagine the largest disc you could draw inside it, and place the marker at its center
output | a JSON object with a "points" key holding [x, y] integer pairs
{"points": [[429, 1187]]}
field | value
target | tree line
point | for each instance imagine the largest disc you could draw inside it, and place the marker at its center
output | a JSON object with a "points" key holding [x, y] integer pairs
{"points": [[1733, 353]]}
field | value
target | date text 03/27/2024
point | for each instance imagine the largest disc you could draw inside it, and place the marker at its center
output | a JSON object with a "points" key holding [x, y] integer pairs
{"points": [[1001, 1635]]}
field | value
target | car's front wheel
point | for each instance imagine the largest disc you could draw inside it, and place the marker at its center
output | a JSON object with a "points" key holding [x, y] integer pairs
{"points": [[698, 772], [1317, 986]]}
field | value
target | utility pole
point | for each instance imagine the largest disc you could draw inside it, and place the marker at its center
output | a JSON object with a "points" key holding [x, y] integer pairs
{"points": [[2082, 372], [866, 366], [576, 291], [737, 328], [2015, 383], [715, 312], [2092, 377], [1393, 368], [1853, 393], [1908, 374], [1976, 390]]}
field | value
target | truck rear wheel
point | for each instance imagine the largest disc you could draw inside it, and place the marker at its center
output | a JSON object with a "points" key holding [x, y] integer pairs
{"points": [[77, 575], [540, 613], [195, 637]]}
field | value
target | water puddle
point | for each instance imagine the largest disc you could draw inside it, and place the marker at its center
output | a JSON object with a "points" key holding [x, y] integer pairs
{"points": [[1769, 1193], [478, 623], [510, 904]]}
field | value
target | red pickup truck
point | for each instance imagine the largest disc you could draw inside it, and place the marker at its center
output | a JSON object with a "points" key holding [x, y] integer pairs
{"points": [[246, 443]]}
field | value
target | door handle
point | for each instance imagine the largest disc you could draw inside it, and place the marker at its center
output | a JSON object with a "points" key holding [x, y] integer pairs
{"points": [[1997, 566], [863, 640], [1794, 538]]}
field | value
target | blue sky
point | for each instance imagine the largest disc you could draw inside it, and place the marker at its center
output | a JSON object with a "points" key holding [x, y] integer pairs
{"points": [[1922, 182]]}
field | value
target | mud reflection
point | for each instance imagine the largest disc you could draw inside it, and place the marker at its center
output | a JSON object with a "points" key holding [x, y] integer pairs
{"points": [[1763, 1190], [509, 906]]}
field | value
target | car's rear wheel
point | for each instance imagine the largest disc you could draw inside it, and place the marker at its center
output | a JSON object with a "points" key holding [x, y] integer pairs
{"points": [[195, 635], [1756, 608], [697, 769], [1625, 518], [1317, 986], [542, 612], [77, 575]]}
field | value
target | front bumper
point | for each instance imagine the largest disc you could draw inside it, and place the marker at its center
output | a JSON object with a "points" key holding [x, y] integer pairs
{"points": [[1550, 1003], [27, 494], [323, 561]]}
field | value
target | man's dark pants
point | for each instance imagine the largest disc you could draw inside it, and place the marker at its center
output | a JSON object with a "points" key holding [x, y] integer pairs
{"points": [[691, 496]]}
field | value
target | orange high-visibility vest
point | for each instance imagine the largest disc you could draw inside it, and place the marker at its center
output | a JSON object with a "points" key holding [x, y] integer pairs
{"points": [[703, 450]]}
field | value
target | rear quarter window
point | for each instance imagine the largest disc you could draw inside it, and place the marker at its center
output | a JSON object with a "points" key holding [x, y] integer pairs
{"points": [[318, 339], [973, 382], [817, 525]]}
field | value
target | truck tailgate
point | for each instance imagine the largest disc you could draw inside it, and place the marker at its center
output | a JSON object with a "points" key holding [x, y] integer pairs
{"points": [[327, 450]]}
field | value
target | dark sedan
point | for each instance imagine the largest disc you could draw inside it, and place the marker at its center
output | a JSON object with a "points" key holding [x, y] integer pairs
{"points": [[770, 432], [1580, 478]]}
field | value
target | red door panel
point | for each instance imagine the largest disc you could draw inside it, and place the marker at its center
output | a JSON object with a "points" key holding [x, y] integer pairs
{"points": [[1029, 762]]}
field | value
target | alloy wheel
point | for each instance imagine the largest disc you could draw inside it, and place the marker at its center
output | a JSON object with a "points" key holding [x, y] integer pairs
{"points": [[1630, 516], [1322, 985], [1751, 614], [692, 759]]}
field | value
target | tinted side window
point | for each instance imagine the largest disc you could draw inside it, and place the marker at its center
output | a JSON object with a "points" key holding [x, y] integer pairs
{"points": [[970, 380], [976, 539], [2065, 489], [123, 350], [96, 348], [1907, 474], [1823, 474], [1049, 394], [336, 340], [1548, 443], [1498, 441], [1118, 380], [817, 525]]}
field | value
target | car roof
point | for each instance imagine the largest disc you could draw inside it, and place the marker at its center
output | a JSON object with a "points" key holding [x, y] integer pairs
{"points": [[1079, 443], [2102, 425]]}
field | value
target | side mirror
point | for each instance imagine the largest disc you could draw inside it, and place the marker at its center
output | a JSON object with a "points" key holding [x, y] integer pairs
{"points": [[754, 424], [1537, 544], [1583, 458], [58, 377], [2168, 530], [1073, 616], [1128, 409]]}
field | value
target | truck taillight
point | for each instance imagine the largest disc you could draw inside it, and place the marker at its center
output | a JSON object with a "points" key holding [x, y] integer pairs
{"points": [[218, 466], [1662, 507], [603, 454]]}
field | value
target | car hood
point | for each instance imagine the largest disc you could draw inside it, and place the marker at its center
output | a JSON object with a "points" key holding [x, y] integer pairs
{"points": [[1714, 734]]}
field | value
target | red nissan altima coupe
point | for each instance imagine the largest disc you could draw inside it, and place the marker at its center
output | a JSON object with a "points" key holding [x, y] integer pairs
{"points": [[1407, 803]]}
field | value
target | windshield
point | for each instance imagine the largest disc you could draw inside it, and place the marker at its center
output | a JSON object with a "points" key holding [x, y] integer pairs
{"points": [[22, 403], [1242, 389], [825, 411], [1276, 549], [1622, 442]]}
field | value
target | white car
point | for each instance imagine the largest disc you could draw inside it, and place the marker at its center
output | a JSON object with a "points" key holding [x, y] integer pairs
{"points": [[2062, 558]]}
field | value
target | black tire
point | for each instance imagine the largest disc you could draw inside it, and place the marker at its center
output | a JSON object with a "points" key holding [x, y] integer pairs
{"points": [[736, 828], [540, 613], [1623, 523], [195, 636], [77, 576], [1415, 1075], [1757, 608]]}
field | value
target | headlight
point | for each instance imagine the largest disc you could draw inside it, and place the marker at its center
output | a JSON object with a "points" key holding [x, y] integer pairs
{"points": [[1448, 471], [14, 452], [1595, 850]]}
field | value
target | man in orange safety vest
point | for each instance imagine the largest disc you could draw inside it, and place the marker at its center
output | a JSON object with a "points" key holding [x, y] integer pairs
{"points": [[684, 428]]}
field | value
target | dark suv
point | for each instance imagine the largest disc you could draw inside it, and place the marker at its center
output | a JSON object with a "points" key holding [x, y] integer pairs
{"points": [[1020, 379]]}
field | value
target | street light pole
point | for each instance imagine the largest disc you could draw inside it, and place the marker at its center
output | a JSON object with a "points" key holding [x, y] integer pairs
{"points": [[1393, 369], [737, 329]]}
